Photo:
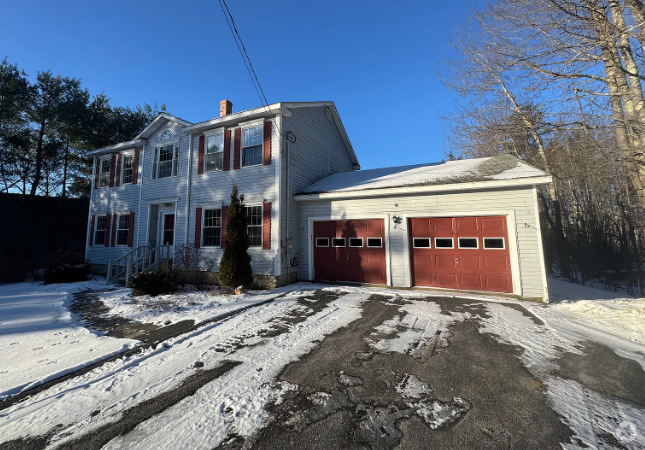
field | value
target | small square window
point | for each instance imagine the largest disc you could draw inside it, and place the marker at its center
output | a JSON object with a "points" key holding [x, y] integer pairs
{"points": [[443, 243], [322, 242], [374, 242], [355, 242], [468, 243], [494, 243], [338, 242], [421, 242]]}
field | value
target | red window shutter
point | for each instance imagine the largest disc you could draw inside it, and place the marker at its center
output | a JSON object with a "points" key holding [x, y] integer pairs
{"points": [[238, 148], [96, 173], [266, 147], [135, 167], [112, 167], [227, 150], [200, 158], [266, 226], [106, 240], [92, 221], [198, 228], [131, 230], [114, 219], [118, 170], [224, 223]]}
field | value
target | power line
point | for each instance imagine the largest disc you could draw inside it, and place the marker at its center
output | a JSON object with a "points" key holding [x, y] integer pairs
{"points": [[247, 60]]}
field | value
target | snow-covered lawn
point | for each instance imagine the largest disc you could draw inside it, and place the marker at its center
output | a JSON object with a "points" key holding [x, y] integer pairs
{"points": [[234, 403], [189, 304], [40, 339]]}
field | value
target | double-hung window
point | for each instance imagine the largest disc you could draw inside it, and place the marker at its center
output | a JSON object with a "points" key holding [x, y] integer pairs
{"points": [[123, 230], [166, 160], [254, 225], [99, 234], [127, 169], [252, 146], [214, 152], [212, 228], [106, 165]]}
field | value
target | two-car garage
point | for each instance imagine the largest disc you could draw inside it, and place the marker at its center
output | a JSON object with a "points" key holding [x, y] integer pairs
{"points": [[443, 226], [468, 253]]}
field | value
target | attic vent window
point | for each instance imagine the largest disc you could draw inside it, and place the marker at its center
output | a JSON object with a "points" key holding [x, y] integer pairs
{"points": [[328, 115], [168, 134]]}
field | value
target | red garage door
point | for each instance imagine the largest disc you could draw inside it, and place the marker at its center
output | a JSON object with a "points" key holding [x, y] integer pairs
{"points": [[350, 250], [469, 253]]}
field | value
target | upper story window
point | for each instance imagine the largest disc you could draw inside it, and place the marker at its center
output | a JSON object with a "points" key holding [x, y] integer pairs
{"points": [[252, 146], [166, 135], [127, 169], [214, 152], [106, 165], [254, 225], [166, 161]]}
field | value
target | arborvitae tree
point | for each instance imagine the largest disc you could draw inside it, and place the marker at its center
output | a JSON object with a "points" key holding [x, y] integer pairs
{"points": [[235, 267]]}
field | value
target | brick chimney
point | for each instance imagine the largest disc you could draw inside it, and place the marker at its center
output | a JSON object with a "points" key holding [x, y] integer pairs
{"points": [[225, 108]]}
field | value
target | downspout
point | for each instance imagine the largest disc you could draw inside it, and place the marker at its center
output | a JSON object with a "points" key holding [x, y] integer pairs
{"points": [[89, 212], [143, 164], [188, 183], [291, 139]]}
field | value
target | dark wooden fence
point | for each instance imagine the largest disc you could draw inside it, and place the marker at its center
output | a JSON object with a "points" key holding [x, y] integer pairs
{"points": [[32, 228]]}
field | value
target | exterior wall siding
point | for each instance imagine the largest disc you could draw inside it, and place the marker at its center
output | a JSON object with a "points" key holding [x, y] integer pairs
{"points": [[319, 151], [520, 201], [256, 183]]}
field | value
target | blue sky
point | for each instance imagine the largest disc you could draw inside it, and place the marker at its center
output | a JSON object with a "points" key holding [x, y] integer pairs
{"points": [[376, 60]]}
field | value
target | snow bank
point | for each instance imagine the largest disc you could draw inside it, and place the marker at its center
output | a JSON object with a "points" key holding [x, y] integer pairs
{"points": [[40, 339]]}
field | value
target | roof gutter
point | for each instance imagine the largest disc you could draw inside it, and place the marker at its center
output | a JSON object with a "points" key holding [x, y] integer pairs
{"points": [[235, 118], [427, 189], [120, 146]]}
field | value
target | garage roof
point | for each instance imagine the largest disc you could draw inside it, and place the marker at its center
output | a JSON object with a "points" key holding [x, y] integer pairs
{"points": [[501, 170]]}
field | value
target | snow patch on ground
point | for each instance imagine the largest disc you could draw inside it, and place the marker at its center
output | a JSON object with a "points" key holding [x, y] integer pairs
{"points": [[40, 339], [186, 305], [541, 345], [419, 321], [591, 415], [247, 389], [412, 387]]}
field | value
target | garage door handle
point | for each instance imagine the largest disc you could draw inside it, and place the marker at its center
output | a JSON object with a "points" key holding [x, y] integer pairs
{"points": [[457, 259], [347, 257]]}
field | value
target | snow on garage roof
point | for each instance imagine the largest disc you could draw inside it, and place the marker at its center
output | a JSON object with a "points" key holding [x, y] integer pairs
{"points": [[496, 168]]}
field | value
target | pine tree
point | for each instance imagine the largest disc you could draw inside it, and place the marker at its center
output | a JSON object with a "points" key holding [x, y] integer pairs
{"points": [[235, 267]]}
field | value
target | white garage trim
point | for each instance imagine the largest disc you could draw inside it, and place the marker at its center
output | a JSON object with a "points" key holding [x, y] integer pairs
{"points": [[539, 233], [512, 243], [386, 230]]}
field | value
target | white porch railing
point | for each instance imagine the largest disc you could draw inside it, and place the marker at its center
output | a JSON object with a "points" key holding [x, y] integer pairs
{"points": [[138, 260]]}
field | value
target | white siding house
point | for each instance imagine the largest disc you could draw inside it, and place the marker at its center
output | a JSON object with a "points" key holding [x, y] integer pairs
{"points": [[466, 225]]}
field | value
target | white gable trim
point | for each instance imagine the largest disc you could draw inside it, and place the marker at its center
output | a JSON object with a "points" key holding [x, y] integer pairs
{"points": [[152, 126]]}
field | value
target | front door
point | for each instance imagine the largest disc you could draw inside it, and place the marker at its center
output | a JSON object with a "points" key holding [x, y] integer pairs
{"points": [[167, 230]]}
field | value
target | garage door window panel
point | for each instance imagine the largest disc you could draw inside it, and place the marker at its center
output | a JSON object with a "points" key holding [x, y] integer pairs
{"points": [[338, 242], [494, 244], [421, 243], [322, 242], [374, 242], [468, 243], [444, 243], [355, 242]]}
